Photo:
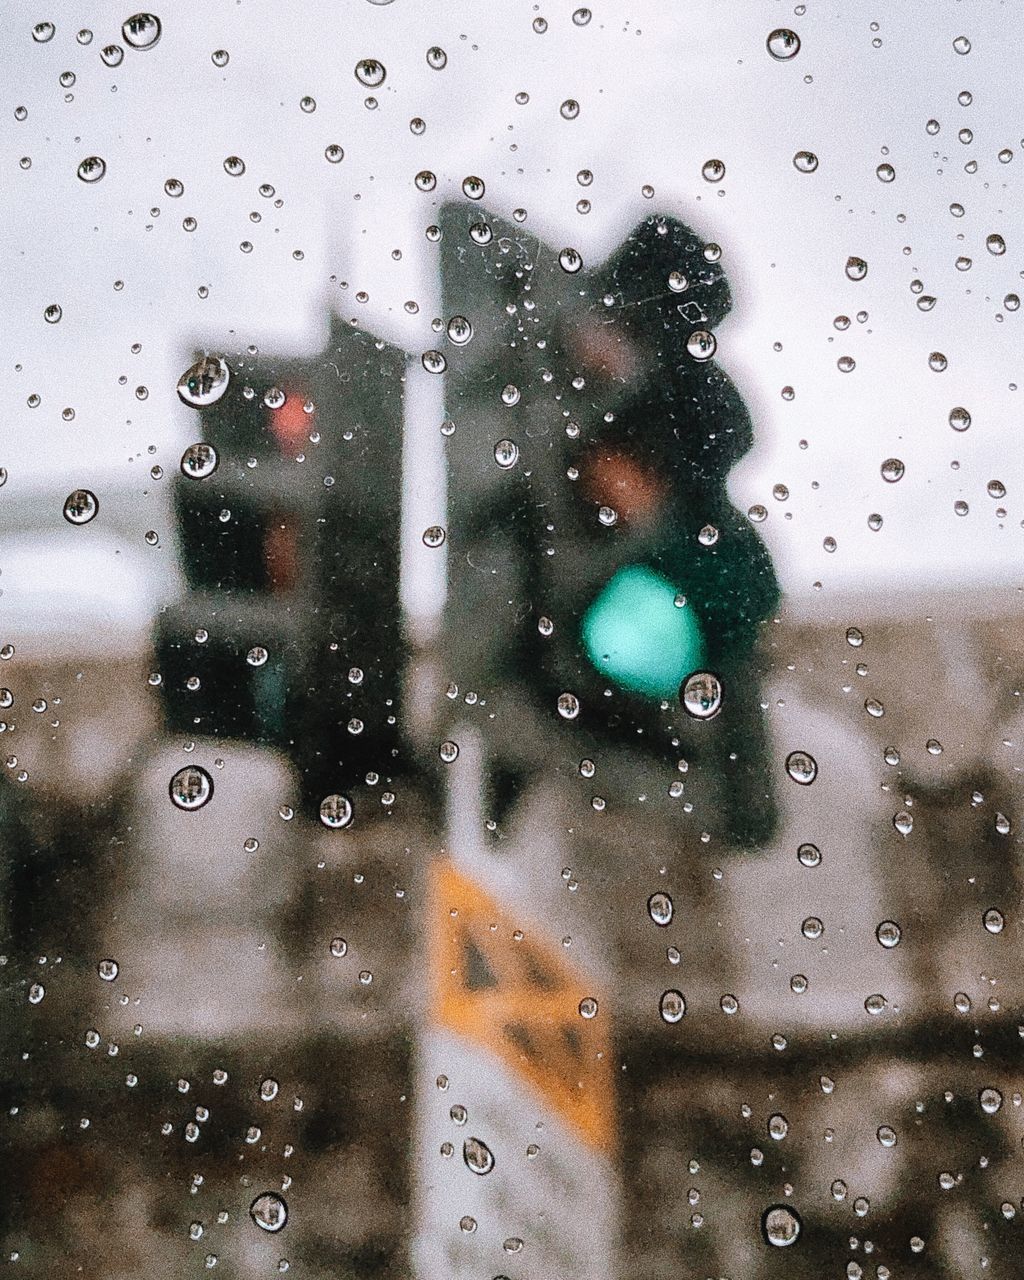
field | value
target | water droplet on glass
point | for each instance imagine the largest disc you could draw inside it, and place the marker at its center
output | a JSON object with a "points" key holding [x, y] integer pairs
{"points": [[141, 30], [856, 268], [80, 506], [701, 345], [269, 1211], [660, 908], [112, 55], [962, 45], [570, 260], [892, 470], [336, 811], [568, 706], [53, 313], [588, 1007], [780, 1225], [459, 330], [477, 1156], [993, 920], [802, 767], [506, 454], [433, 536], [191, 788], [371, 72], [805, 161], [888, 934], [92, 168], [448, 751], [36, 992], [783, 44], [42, 32], [107, 969], [701, 694], [234, 166], [205, 382], [672, 1006], [990, 1100], [809, 855], [199, 461], [885, 173], [220, 57], [712, 170], [437, 59], [902, 821]]}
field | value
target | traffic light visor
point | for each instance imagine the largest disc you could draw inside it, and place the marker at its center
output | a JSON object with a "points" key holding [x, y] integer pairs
{"points": [[637, 636]]}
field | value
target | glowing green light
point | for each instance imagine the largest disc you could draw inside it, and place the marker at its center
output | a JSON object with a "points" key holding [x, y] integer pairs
{"points": [[638, 637]]}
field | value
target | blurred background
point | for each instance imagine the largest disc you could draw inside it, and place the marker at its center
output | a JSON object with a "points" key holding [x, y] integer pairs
{"points": [[510, 640]]}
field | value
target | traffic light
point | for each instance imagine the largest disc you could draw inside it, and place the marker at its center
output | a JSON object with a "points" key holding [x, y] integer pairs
{"points": [[596, 560], [286, 511]]}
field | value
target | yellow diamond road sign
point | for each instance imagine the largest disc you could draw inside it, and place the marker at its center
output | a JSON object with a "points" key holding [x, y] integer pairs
{"points": [[515, 994]]}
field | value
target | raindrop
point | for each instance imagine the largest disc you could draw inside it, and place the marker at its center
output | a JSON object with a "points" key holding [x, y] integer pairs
{"points": [[712, 170], [660, 909], [220, 57], [902, 821], [959, 419], [588, 1007], [569, 109], [234, 166], [191, 787], [962, 45], [805, 161], [477, 1156], [701, 695], [581, 17], [888, 934], [991, 1100], [425, 180], [802, 767], [336, 811], [892, 470], [174, 187], [506, 454], [269, 1211], [448, 751], [995, 244], [783, 44], [809, 855], [205, 382], [107, 969], [781, 1225], [112, 55], [199, 461], [672, 1005], [568, 706], [42, 32], [333, 153], [993, 920], [53, 313], [459, 330], [141, 30], [856, 268], [437, 58], [885, 173], [370, 72], [80, 506], [473, 187], [434, 536], [570, 260], [701, 345]]}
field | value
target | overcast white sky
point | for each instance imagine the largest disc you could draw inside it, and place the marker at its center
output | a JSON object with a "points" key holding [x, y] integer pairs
{"points": [[663, 86]]}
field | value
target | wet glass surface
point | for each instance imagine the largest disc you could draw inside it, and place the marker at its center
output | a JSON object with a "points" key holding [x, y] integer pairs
{"points": [[510, 643]]}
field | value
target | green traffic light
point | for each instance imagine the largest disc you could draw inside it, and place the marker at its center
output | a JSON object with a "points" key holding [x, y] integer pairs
{"points": [[636, 635]]}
